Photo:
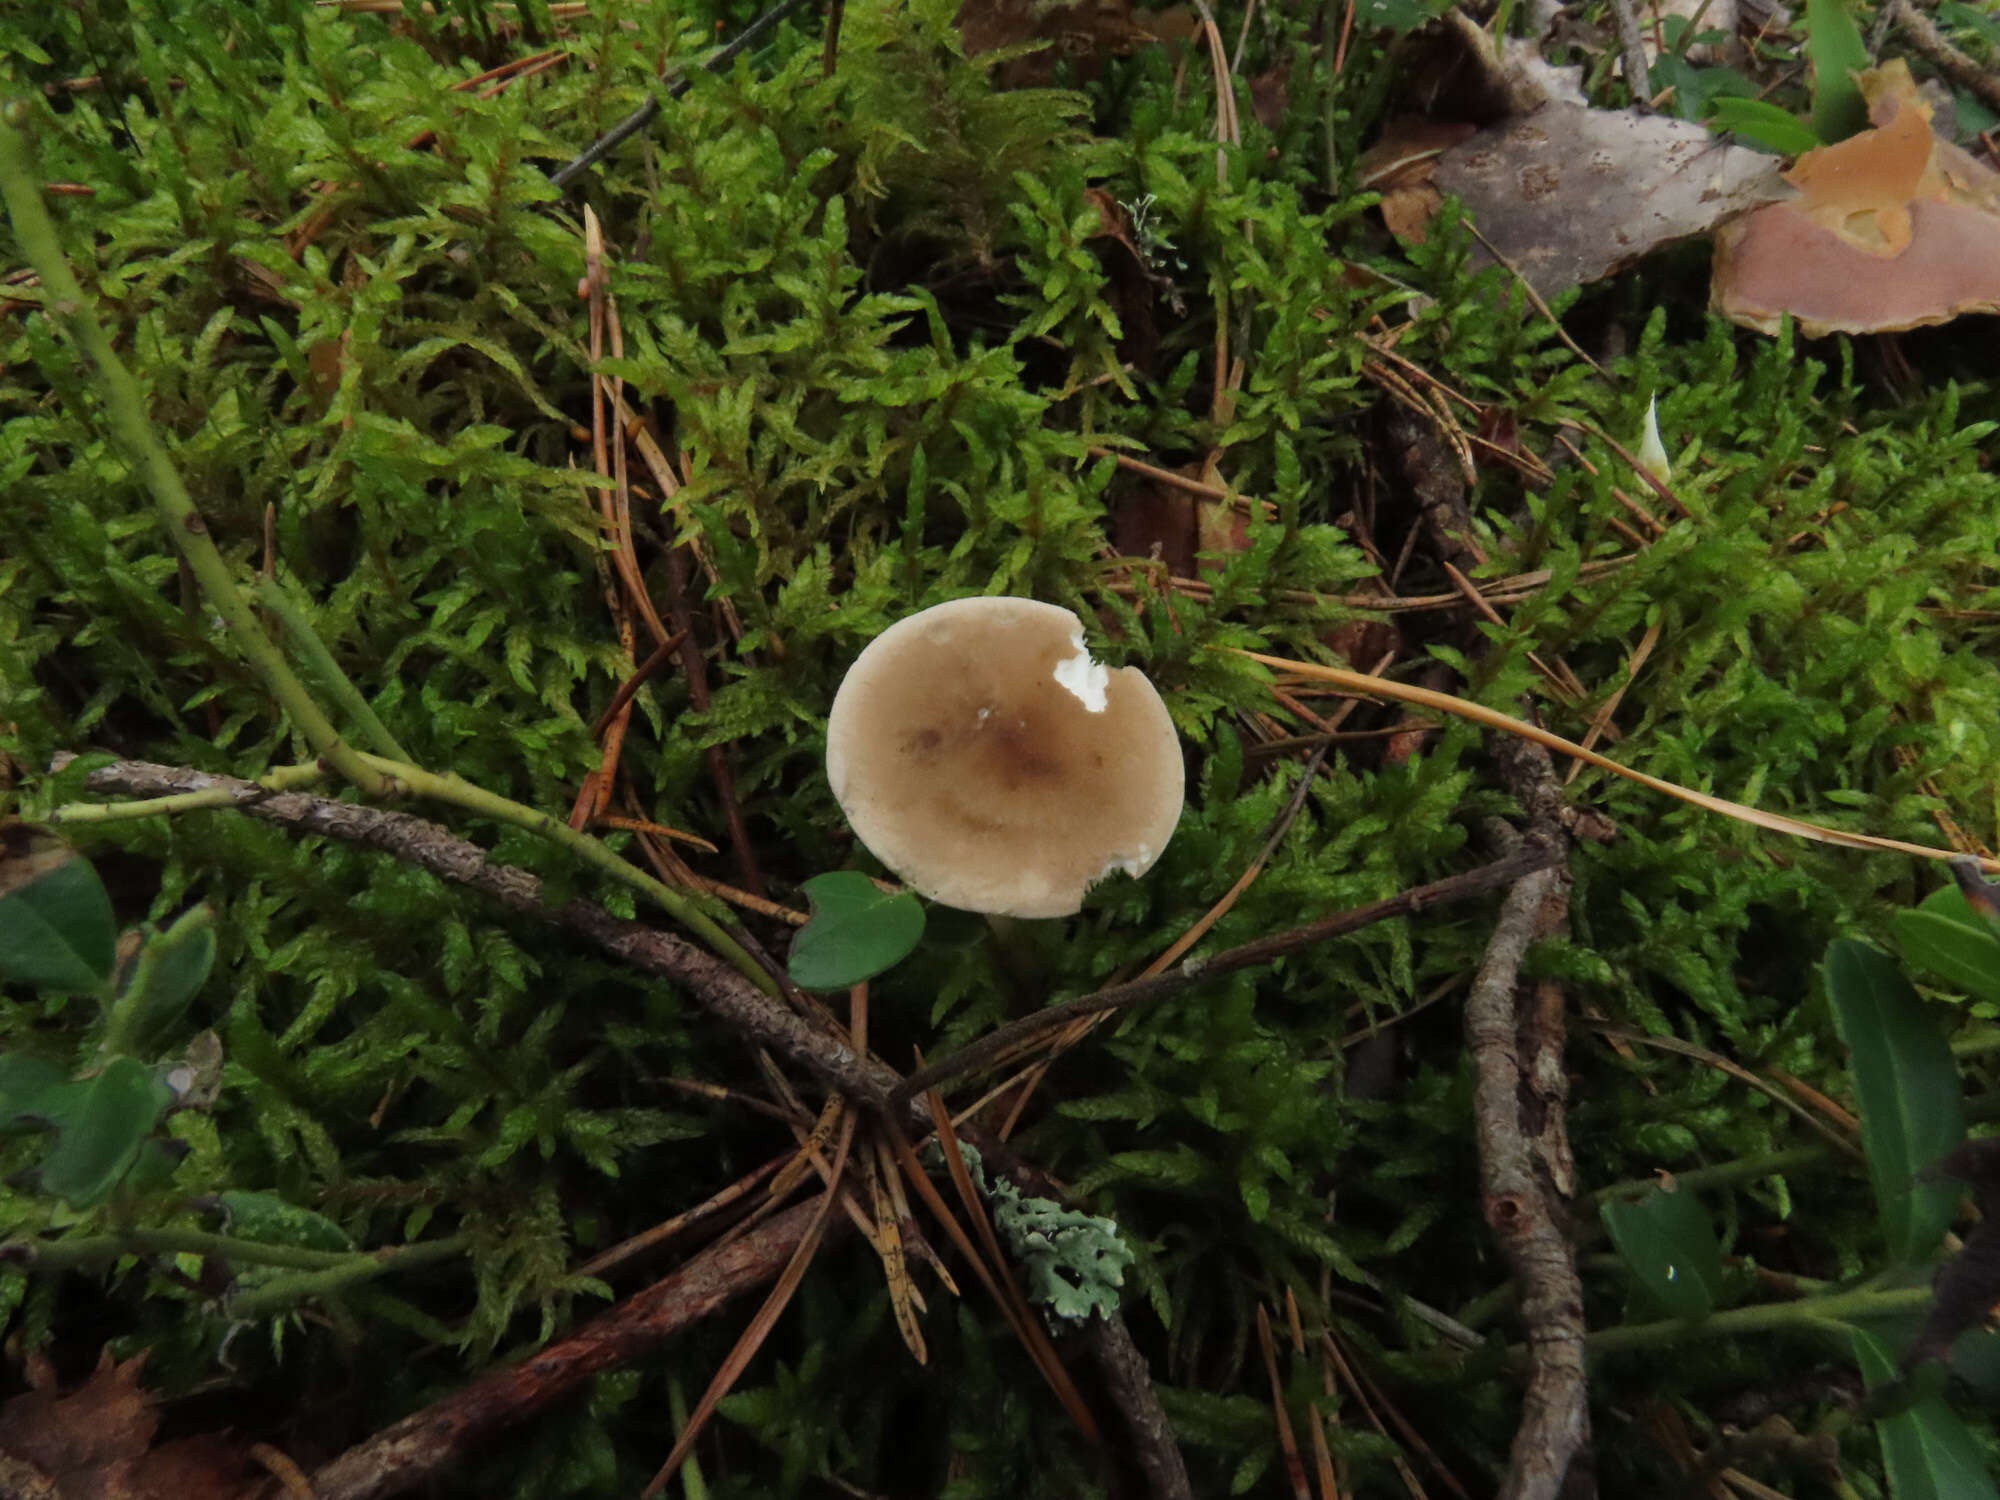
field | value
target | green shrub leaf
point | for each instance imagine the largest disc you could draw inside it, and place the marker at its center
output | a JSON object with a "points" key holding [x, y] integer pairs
{"points": [[1836, 52], [1926, 1449], [1948, 941], [101, 1123], [857, 930], [171, 970], [1671, 1247], [56, 928], [1907, 1084], [271, 1220], [1762, 123], [23, 1081]]}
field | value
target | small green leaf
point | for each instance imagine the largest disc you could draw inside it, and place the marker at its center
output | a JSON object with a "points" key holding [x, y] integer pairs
{"points": [[23, 1081], [1670, 1245], [1762, 123], [56, 928], [270, 1220], [1948, 941], [171, 969], [856, 931], [1907, 1084], [1926, 1449], [1835, 50], [101, 1124]]}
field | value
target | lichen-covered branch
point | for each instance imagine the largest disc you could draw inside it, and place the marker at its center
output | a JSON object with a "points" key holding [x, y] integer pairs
{"points": [[1520, 1088], [714, 984]]}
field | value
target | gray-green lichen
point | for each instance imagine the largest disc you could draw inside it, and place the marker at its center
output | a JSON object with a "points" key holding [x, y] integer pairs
{"points": [[1074, 1262]]}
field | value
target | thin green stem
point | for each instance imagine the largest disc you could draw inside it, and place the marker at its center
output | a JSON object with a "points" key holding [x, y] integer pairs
{"points": [[94, 1249], [1747, 1169], [1815, 1314], [681, 906], [125, 408], [282, 1292], [397, 775], [319, 662], [284, 779]]}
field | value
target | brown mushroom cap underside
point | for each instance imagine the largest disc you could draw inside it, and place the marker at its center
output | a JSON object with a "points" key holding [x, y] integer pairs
{"points": [[1777, 261], [973, 773]]}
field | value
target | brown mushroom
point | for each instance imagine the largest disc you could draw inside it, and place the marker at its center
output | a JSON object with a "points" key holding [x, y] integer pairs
{"points": [[1892, 228], [981, 754]]}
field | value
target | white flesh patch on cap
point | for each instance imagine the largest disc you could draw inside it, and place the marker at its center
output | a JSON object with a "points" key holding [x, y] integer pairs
{"points": [[1084, 677], [1137, 865]]}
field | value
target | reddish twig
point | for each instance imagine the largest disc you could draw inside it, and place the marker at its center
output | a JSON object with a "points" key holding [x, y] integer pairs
{"points": [[423, 1446]]}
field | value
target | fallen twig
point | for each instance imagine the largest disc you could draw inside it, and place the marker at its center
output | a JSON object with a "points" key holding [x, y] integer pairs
{"points": [[1518, 1094], [1146, 1425], [1937, 49], [716, 986], [1532, 855], [425, 1444]]}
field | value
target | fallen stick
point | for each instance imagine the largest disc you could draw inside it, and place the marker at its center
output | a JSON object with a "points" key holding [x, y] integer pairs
{"points": [[423, 1445]]}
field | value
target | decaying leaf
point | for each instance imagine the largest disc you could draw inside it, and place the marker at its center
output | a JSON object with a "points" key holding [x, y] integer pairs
{"points": [[1892, 228], [1080, 31], [1400, 166], [1572, 195], [96, 1444]]}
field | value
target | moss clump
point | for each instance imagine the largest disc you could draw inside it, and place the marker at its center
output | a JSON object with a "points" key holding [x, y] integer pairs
{"points": [[877, 325]]}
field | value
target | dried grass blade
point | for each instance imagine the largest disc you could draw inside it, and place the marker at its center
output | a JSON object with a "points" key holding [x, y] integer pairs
{"points": [[1329, 1484], [889, 1239], [1478, 713], [1288, 1444], [1601, 722], [659, 1234], [761, 1325], [994, 1275]]}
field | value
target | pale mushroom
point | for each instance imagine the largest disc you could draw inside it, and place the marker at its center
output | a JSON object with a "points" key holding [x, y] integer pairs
{"points": [[981, 754]]}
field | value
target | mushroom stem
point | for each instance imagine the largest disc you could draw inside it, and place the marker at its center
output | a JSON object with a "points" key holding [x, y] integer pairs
{"points": [[1014, 944]]}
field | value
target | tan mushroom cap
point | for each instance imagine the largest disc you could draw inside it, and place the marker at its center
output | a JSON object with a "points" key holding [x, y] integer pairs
{"points": [[980, 754]]}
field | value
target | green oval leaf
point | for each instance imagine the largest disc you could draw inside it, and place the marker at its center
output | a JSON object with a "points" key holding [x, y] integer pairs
{"points": [[1928, 1452], [1670, 1245], [1834, 48], [270, 1220], [1761, 122], [1907, 1085], [857, 930], [1946, 940], [101, 1125], [23, 1082], [56, 927], [171, 969]]}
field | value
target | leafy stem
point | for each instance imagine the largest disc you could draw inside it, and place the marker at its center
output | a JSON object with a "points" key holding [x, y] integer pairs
{"points": [[125, 404], [282, 1292], [79, 1251], [1814, 1314], [681, 906]]}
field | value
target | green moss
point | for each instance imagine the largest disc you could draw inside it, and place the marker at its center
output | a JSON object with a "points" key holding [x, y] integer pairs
{"points": [[875, 317]]}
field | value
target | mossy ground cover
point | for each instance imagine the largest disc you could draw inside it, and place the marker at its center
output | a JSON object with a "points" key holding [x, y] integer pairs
{"points": [[876, 323]]}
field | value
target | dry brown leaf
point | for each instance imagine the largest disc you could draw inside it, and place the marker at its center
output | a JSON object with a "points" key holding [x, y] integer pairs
{"points": [[1893, 228], [1081, 32], [1572, 195], [96, 1444], [1400, 166]]}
